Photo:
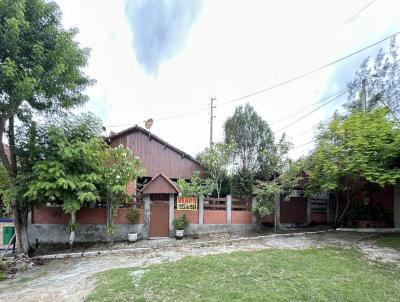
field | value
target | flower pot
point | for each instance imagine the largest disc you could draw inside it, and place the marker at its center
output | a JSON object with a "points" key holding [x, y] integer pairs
{"points": [[179, 234], [132, 237]]}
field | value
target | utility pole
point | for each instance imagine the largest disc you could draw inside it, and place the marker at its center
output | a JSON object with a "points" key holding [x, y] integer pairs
{"points": [[364, 95], [212, 107]]}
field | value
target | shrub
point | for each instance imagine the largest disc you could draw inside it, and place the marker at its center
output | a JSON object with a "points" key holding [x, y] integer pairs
{"points": [[181, 223], [2, 265], [133, 215]]}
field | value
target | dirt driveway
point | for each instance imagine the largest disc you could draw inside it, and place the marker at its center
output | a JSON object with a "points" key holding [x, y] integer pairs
{"points": [[72, 279]]}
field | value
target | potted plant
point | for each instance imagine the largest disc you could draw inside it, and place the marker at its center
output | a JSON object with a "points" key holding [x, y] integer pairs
{"points": [[180, 224], [133, 217]]}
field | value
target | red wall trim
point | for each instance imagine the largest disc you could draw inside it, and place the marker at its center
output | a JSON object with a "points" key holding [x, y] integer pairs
{"points": [[192, 216], [241, 217], [55, 215], [214, 217]]}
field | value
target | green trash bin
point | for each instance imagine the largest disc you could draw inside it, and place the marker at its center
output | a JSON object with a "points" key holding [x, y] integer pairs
{"points": [[8, 233]]}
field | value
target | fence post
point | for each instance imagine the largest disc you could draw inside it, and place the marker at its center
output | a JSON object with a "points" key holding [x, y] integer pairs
{"points": [[228, 209], [171, 215], [253, 204], [201, 209], [147, 214]]}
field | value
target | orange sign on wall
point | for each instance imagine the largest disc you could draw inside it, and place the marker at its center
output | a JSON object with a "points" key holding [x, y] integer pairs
{"points": [[186, 203]]}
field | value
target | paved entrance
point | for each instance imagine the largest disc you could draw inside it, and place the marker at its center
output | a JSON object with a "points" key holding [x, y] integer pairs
{"points": [[159, 224]]}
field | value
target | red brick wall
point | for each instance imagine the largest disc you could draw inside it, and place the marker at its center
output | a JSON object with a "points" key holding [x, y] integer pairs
{"points": [[294, 210], [83, 216], [49, 216], [319, 217], [214, 217], [241, 217], [121, 216], [192, 216], [91, 216]]}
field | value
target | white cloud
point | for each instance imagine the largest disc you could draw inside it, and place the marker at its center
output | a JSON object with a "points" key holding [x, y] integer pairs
{"points": [[233, 48]]}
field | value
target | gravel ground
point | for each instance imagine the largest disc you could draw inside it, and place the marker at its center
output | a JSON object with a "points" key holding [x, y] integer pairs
{"points": [[73, 279]]}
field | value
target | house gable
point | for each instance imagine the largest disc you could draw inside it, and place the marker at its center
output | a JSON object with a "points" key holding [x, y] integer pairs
{"points": [[156, 155], [160, 184]]}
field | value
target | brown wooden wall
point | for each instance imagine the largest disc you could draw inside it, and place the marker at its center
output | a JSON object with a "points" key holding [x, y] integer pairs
{"points": [[157, 157]]}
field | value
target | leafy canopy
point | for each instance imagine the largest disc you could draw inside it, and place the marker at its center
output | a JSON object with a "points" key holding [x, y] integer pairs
{"points": [[41, 64], [121, 168], [382, 81], [71, 169], [196, 186], [216, 160], [363, 147], [251, 135]]}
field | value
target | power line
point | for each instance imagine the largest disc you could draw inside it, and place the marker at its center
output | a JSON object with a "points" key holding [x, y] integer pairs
{"points": [[302, 145], [306, 107], [276, 85], [307, 114], [359, 11], [309, 72]]}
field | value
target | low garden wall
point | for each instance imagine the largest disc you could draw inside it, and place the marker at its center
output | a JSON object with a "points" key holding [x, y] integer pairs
{"points": [[55, 215], [49, 224], [242, 217], [192, 216], [214, 217]]}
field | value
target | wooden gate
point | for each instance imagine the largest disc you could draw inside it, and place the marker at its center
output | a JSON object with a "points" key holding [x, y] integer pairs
{"points": [[159, 224]]}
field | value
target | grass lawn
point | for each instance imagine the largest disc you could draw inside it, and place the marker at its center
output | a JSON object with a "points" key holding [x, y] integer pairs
{"points": [[389, 240], [326, 274]]}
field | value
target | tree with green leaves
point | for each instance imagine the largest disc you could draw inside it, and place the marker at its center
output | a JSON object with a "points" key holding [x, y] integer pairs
{"points": [[381, 78], [71, 169], [196, 186], [352, 153], [250, 135], [40, 72], [216, 161], [120, 169], [270, 193], [242, 183]]}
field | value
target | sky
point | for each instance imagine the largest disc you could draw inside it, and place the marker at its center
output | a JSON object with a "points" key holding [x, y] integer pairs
{"points": [[163, 58]]}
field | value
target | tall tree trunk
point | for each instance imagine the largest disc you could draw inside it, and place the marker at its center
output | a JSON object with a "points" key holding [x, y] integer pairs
{"points": [[21, 228], [20, 213], [347, 206], [219, 185], [336, 210], [72, 230]]}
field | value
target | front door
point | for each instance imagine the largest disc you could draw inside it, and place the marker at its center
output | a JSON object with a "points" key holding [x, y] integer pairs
{"points": [[159, 224]]}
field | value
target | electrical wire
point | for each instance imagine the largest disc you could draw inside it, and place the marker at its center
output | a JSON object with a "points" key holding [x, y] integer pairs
{"points": [[309, 113], [275, 85]]}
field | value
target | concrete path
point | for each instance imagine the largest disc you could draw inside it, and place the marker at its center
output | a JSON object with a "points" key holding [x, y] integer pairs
{"points": [[73, 279]]}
